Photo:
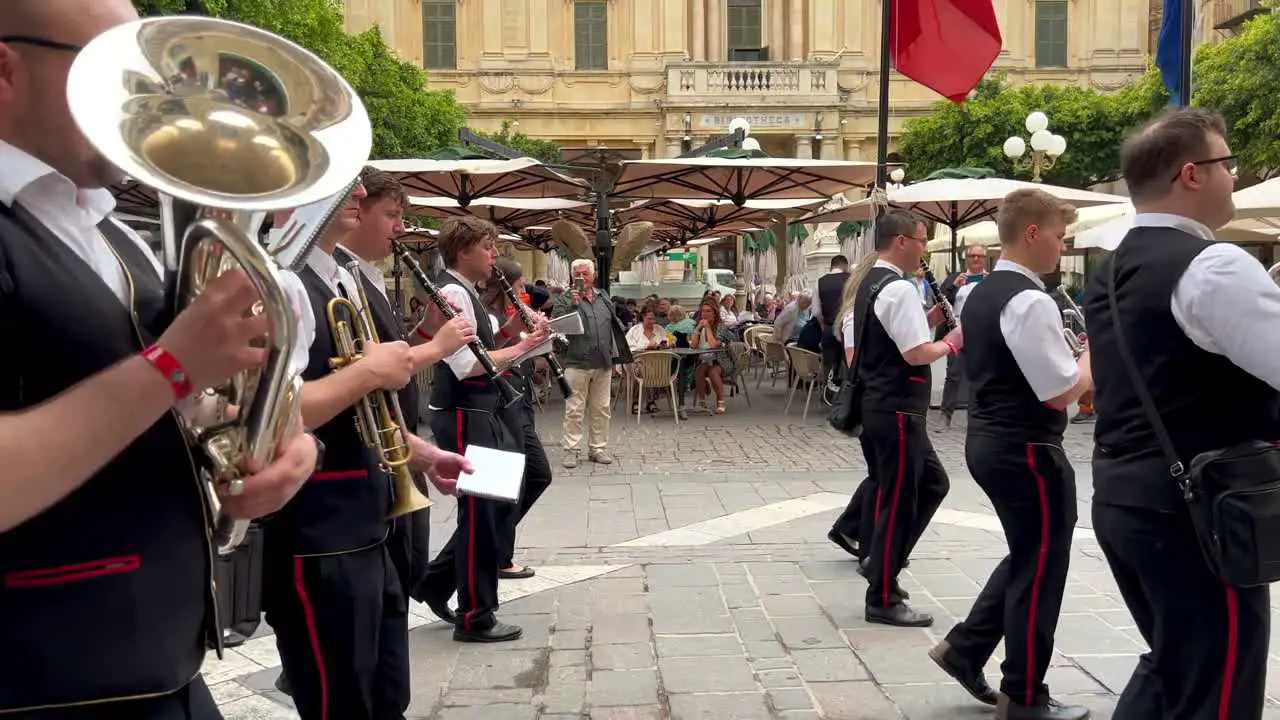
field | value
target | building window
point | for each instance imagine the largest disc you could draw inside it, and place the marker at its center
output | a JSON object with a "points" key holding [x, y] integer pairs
{"points": [[440, 34], [590, 35], [1051, 33], [744, 29]]}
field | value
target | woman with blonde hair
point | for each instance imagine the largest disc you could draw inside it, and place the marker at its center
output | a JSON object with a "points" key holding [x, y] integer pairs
{"points": [[852, 530]]}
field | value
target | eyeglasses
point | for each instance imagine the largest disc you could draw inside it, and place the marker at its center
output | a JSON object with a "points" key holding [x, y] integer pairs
{"points": [[1228, 161], [913, 237], [40, 42]]}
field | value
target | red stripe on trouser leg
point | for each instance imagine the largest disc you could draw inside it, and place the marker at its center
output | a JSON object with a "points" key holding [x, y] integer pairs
{"points": [[893, 508], [1233, 646], [471, 532], [313, 635], [1035, 580]]}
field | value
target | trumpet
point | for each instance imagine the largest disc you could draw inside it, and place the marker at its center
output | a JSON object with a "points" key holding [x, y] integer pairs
{"points": [[557, 370], [226, 122], [378, 415], [509, 394], [1071, 315]]}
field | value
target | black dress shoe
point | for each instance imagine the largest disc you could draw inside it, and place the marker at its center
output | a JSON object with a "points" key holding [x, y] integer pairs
{"points": [[498, 632], [282, 684], [844, 544], [439, 606], [972, 681], [521, 574], [895, 588], [1006, 709], [898, 615]]}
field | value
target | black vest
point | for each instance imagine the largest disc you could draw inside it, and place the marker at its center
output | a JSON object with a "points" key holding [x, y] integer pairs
{"points": [[108, 593], [390, 328], [476, 392], [344, 506], [891, 383], [830, 292], [1205, 400], [1003, 404]]}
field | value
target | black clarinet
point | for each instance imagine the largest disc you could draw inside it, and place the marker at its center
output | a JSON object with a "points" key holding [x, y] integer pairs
{"points": [[509, 394], [948, 313], [557, 370]]}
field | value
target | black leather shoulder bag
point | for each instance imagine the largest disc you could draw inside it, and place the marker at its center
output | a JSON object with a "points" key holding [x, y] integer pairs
{"points": [[846, 411]]}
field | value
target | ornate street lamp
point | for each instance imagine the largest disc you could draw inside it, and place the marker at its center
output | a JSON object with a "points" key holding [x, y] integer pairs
{"points": [[1045, 147]]}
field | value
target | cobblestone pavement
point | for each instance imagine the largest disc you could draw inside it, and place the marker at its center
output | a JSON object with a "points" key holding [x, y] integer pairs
{"points": [[693, 579]]}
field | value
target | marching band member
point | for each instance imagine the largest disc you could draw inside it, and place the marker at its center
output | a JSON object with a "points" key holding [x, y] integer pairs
{"points": [[381, 221], [896, 354], [332, 589], [1198, 318], [109, 522], [1023, 377], [467, 409], [537, 469]]}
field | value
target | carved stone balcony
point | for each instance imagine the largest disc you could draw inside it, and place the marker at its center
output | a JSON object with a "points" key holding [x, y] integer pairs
{"points": [[760, 81], [1229, 14]]}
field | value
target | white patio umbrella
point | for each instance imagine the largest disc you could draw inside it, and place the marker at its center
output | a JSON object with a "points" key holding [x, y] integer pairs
{"points": [[510, 214], [741, 180], [469, 180], [1258, 201], [1257, 219], [1108, 236]]}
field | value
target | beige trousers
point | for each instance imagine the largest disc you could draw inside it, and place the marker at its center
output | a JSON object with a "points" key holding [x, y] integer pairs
{"points": [[590, 394]]}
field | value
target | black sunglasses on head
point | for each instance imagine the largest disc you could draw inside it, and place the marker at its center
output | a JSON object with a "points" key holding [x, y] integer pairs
{"points": [[40, 42]]}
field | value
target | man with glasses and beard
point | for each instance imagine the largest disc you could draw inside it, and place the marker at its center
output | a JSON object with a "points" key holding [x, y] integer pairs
{"points": [[896, 351], [1198, 319]]}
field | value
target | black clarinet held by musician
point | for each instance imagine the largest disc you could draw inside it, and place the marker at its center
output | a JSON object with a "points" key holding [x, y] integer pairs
{"points": [[526, 317]]}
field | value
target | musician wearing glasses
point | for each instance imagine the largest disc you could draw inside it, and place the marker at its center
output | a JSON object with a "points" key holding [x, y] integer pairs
{"points": [[895, 356], [467, 409], [1023, 377], [381, 221], [1196, 317], [108, 521], [333, 591]]}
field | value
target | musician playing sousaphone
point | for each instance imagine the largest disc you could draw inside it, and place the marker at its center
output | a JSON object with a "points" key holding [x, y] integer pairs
{"points": [[108, 521]]}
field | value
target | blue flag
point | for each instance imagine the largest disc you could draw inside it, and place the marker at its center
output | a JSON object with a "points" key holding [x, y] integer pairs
{"points": [[1169, 53]]}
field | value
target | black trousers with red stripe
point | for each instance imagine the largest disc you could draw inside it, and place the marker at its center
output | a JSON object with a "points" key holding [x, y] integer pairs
{"points": [[910, 485], [468, 563], [1033, 490], [342, 628], [537, 478], [1208, 657]]}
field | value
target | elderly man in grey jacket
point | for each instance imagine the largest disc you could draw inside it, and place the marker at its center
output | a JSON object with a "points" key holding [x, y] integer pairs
{"points": [[792, 318], [588, 363]]}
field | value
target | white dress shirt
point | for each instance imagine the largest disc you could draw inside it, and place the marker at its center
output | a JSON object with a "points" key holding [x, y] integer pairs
{"points": [[72, 215], [463, 361], [963, 294], [1032, 329], [1226, 302], [899, 310], [848, 328], [371, 272]]}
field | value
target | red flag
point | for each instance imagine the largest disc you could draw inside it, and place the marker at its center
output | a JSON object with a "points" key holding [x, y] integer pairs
{"points": [[945, 45]]}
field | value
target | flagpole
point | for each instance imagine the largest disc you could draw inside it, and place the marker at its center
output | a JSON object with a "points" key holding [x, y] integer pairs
{"points": [[1184, 56], [882, 105]]}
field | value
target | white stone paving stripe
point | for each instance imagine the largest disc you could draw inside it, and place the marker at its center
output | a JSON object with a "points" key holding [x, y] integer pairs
{"points": [[741, 523], [990, 523], [260, 653]]}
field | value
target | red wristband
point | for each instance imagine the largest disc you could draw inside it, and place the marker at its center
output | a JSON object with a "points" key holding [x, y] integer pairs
{"points": [[168, 365], [951, 346], [505, 335], [422, 334]]}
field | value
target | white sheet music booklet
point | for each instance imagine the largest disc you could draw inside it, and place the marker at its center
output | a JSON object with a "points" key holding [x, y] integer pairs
{"points": [[497, 474]]}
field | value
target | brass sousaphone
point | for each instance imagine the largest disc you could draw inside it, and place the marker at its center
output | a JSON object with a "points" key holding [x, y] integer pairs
{"points": [[227, 123]]}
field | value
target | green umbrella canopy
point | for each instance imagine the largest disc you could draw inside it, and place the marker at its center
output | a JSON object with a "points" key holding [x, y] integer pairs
{"points": [[759, 241], [732, 153], [961, 173], [846, 230]]}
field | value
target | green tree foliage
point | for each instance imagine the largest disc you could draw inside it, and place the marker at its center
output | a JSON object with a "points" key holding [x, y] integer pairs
{"points": [[1240, 78], [541, 150], [408, 119], [972, 134]]}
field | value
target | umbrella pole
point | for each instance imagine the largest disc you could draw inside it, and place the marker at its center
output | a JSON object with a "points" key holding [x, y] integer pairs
{"points": [[604, 240]]}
